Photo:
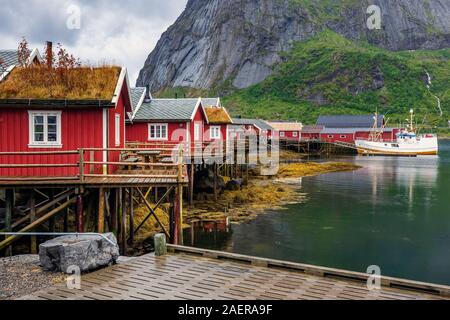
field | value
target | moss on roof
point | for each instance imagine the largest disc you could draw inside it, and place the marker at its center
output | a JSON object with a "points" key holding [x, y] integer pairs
{"points": [[81, 83], [217, 115]]}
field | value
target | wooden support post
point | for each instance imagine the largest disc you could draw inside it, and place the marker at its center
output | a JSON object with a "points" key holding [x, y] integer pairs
{"points": [[33, 245], [131, 204], [191, 185], [113, 206], [79, 219], [123, 221], [101, 210], [178, 215], [10, 205], [215, 181]]}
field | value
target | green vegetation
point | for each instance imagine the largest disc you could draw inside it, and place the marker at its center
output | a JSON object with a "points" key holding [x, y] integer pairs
{"points": [[332, 75]]}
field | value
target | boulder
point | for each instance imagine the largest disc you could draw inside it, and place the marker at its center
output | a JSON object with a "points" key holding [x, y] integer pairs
{"points": [[88, 252]]}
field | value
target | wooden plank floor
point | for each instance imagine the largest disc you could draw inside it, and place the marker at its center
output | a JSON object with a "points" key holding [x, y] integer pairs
{"points": [[181, 276], [93, 182]]}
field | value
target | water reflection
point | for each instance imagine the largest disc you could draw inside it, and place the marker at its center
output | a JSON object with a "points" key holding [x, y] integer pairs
{"points": [[394, 213]]}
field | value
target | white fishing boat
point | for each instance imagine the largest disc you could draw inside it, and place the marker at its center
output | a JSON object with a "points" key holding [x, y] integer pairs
{"points": [[406, 143]]}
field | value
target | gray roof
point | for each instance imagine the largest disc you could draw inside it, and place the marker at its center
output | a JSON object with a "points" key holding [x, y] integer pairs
{"points": [[350, 130], [263, 125], [9, 58], [349, 121], [166, 109], [136, 97], [208, 102]]}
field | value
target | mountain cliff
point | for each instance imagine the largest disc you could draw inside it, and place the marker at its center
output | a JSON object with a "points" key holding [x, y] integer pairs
{"points": [[235, 44]]}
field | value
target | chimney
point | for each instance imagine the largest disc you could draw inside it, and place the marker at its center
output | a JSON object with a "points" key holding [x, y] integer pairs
{"points": [[49, 54], [147, 98]]}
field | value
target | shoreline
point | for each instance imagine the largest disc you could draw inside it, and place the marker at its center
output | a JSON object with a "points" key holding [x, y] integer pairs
{"points": [[262, 194]]}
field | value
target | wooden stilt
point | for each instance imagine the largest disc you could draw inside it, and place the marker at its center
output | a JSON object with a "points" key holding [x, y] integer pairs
{"points": [[123, 221], [79, 213], [113, 207], [33, 245], [101, 211], [131, 223], [10, 205], [191, 185], [215, 181]]}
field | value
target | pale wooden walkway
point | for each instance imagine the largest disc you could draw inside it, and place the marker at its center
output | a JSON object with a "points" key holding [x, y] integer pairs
{"points": [[184, 276]]}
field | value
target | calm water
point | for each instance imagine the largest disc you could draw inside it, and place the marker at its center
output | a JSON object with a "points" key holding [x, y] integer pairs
{"points": [[394, 213]]}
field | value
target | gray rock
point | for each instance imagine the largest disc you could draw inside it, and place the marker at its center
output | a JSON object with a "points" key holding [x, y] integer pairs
{"points": [[88, 252], [240, 41]]}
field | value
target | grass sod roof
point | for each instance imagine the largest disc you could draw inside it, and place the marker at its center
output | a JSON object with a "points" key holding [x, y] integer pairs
{"points": [[217, 115], [81, 83]]}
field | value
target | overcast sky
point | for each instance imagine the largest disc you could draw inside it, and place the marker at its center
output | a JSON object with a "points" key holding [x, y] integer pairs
{"points": [[116, 31]]}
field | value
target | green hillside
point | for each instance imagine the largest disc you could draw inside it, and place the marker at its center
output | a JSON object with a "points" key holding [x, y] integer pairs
{"points": [[332, 75]]}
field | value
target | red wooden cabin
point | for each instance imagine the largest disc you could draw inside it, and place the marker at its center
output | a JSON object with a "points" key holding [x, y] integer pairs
{"points": [[242, 127], [311, 133], [350, 135], [44, 127], [287, 130], [217, 122], [164, 120]]}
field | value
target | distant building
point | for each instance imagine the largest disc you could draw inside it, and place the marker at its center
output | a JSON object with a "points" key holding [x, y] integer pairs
{"points": [[285, 130], [176, 120], [256, 126], [349, 121]]}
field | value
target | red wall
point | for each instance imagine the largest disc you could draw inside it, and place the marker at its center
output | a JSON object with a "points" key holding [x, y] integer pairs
{"points": [[349, 137], [139, 132], [79, 129], [310, 136], [288, 135]]}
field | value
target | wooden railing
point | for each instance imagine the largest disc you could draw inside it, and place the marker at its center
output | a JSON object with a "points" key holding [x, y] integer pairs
{"points": [[85, 163]]}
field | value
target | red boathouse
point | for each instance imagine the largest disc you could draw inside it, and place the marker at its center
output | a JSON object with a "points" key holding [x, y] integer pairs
{"points": [[57, 119]]}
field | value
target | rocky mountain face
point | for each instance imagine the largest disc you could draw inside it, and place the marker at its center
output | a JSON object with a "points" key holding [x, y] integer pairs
{"points": [[236, 43]]}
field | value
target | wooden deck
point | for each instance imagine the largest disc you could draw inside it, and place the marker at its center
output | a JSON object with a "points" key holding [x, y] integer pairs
{"points": [[187, 276], [92, 182]]}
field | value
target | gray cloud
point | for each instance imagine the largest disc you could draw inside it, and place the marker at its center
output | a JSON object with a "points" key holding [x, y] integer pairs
{"points": [[117, 31]]}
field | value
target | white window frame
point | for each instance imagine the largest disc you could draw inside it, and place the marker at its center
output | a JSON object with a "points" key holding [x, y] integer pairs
{"points": [[282, 134], [161, 138], [295, 134], [343, 136], [117, 128], [215, 132], [44, 144], [197, 131]]}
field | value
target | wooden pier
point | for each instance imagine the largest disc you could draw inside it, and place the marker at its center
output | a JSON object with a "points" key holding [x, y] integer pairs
{"points": [[196, 274]]}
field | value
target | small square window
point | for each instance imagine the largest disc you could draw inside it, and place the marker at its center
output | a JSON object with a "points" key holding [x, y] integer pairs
{"points": [[158, 131], [44, 129]]}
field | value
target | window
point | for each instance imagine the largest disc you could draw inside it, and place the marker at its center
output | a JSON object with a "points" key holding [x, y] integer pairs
{"points": [[343, 136], [215, 132], [158, 131], [295, 134], [44, 129], [118, 127], [197, 128], [282, 134], [330, 136]]}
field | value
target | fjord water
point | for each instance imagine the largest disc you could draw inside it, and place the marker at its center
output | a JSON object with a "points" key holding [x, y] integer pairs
{"points": [[394, 213]]}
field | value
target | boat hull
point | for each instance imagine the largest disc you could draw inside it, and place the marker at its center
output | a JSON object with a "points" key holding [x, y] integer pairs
{"points": [[424, 147]]}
